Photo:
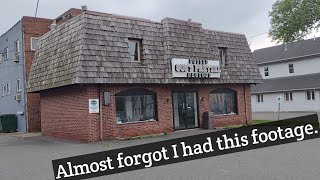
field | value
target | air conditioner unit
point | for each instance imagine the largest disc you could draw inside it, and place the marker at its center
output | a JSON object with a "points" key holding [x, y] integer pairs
{"points": [[16, 58], [17, 97]]}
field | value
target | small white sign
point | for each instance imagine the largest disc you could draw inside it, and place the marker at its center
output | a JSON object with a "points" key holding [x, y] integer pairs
{"points": [[195, 68], [93, 105]]}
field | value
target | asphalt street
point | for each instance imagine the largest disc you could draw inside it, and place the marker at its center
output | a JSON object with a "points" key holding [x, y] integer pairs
{"points": [[29, 158]]}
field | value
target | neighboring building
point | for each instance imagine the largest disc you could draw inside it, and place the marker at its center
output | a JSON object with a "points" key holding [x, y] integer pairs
{"points": [[291, 74], [103, 76], [17, 48]]}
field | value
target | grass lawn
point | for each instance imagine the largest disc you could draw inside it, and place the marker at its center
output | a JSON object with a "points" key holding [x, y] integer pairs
{"points": [[260, 121]]}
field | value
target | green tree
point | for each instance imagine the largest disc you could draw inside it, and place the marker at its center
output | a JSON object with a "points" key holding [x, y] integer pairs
{"points": [[292, 20]]}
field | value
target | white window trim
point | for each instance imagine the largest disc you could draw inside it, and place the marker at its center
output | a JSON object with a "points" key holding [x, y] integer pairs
{"points": [[3, 90], [8, 88], [32, 49], [260, 95], [18, 85], [289, 68], [6, 53], [139, 50], [310, 95], [17, 46], [285, 99]]}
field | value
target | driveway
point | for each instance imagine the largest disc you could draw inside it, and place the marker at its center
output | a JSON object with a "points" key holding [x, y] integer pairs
{"points": [[29, 158]]}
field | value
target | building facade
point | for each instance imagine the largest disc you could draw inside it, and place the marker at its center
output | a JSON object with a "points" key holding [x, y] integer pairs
{"points": [[17, 48], [291, 79], [102, 76]]}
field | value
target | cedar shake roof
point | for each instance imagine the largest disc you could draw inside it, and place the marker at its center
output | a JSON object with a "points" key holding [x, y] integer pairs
{"points": [[295, 50], [93, 48], [292, 83]]}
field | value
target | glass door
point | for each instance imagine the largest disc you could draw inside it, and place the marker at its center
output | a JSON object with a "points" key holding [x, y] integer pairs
{"points": [[185, 110]]}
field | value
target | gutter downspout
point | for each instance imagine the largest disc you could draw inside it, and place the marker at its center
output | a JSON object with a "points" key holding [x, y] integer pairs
{"points": [[24, 78], [100, 118], [245, 103]]}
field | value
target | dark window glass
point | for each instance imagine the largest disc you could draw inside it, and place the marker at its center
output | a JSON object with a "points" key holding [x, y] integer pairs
{"points": [[266, 71], [223, 101], [259, 98], [291, 68], [310, 95], [136, 105]]}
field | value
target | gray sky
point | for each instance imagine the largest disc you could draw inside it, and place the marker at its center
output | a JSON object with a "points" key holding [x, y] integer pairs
{"points": [[246, 16]]}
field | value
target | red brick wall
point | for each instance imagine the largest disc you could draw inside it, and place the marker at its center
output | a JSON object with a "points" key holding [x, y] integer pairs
{"points": [[65, 111], [32, 27]]}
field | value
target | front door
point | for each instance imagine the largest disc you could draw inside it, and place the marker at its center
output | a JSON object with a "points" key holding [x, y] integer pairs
{"points": [[185, 110]]}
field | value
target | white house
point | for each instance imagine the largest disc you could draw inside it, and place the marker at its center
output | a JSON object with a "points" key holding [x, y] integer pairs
{"points": [[291, 84]]}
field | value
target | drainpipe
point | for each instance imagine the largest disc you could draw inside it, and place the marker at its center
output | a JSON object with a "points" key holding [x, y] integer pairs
{"points": [[24, 76], [245, 103], [100, 119]]}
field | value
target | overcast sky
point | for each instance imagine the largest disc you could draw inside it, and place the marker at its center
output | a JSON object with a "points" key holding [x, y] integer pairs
{"points": [[249, 17]]}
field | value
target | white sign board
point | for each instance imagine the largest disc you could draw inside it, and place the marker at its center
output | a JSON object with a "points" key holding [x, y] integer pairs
{"points": [[195, 68], [93, 105]]}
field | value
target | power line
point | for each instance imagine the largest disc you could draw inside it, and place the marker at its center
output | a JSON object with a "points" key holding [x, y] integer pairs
{"points": [[35, 14], [258, 34]]}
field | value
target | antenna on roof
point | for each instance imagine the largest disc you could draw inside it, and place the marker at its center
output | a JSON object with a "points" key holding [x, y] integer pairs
{"points": [[35, 14], [84, 8]]}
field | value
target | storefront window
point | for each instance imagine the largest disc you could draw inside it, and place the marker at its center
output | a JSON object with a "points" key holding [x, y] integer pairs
{"points": [[136, 105], [223, 101]]}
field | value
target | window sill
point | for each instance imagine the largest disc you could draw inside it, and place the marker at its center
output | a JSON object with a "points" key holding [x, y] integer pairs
{"points": [[134, 122], [219, 115]]}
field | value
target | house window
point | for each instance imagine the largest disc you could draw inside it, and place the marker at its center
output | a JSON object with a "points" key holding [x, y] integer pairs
{"points": [[259, 98], [222, 55], [288, 96], [135, 50], [18, 85], [310, 95], [3, 90], [8, 88], [34, 43], [223, 101], [266, 71], [16, 46], [135, 105], [6, 54], [291, 68]]}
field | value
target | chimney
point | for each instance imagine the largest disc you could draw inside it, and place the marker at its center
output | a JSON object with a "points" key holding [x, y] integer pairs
{"points": [[53, 25], [84, 8]]}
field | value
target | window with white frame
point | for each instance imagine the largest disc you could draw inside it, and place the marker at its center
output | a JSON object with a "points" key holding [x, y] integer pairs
{"points": [[291, 68], [34, 43], [223, 55], [310, 95], [16, 46], [8, 88], [259, 98], [266, 71], [18, 85], [288, 96], [135, 50], [3, 89], [6, 54]]}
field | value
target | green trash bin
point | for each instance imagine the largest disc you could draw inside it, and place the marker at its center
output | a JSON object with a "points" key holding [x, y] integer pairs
{"points": [[8, 122]]}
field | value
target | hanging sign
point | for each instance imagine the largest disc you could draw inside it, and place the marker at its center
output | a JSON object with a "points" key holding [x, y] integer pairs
{"points": [[93, 105]]}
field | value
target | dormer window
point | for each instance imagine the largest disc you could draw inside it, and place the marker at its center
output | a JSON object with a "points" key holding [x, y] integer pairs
{"points": [[222, 55], [135, 50]]}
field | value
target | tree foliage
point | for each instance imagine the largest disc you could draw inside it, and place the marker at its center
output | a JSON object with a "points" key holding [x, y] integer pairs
{"points": [[292, 20]]}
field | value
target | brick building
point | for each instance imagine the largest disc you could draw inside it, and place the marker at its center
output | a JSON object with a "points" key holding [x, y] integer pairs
{"points": [[103, 76], [17, 49]]}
